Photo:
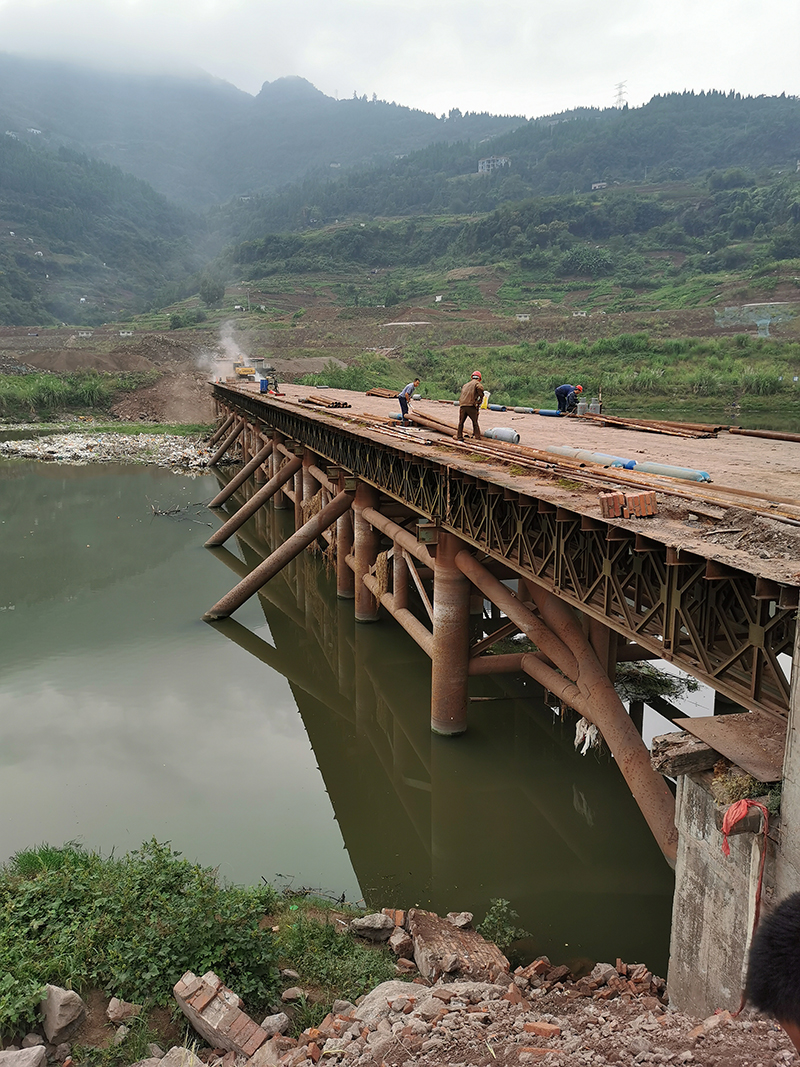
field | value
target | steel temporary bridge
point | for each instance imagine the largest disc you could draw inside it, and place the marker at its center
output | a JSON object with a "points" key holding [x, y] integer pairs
{"points": [[398, 514]]}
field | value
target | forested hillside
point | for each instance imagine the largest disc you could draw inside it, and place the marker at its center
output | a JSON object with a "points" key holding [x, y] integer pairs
{"points": [[81, 241], [200, 140], [672, 138]]}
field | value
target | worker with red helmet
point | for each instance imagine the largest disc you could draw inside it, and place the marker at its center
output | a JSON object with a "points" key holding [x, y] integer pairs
{"points": [[468, 404], [567, 397]]}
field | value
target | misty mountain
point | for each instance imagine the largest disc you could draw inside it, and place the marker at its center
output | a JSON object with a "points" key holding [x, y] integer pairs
{"points": [[83, 242], [673, 138], [200, 141]]}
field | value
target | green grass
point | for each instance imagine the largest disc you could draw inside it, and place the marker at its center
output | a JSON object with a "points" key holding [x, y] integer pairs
{"points": [[40, 395], [629, 368], [330, 959], [130, 926]]}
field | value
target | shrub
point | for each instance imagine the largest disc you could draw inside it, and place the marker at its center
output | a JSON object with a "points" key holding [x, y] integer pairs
{"points": [[131, 926]]}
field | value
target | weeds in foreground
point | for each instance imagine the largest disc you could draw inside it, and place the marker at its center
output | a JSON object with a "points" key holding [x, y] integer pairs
{"points": [[498, 924], [133, 1048], [129, 926], [326, 956]]}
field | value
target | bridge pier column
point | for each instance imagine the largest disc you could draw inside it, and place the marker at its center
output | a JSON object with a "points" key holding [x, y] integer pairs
{"points": [[604, 641], [399, 577], [366, 541], [450, 665], [299, 496], [279, 501], [345, 578]]}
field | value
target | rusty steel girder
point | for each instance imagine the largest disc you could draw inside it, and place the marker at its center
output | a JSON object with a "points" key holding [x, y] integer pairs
{"points": [[718, 624]]}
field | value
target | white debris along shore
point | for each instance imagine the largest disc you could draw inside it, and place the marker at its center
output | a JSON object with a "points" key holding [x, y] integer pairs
{"points": [[163, 450]]}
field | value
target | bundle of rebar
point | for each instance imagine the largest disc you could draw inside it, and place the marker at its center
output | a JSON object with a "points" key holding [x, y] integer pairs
{"points": [[324, 402], [387, 394]]}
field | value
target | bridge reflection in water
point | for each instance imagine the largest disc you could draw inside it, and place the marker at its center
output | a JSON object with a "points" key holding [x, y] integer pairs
{"points": [[511, 810]]}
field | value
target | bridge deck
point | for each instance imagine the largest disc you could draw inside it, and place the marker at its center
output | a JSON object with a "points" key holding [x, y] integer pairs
{"points": [[711, 582], [752, 533]]}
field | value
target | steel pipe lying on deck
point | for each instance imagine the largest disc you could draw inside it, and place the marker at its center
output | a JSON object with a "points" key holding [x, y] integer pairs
{"points": [[249, 509], [282, 555], [242, 476], [586, 456]]}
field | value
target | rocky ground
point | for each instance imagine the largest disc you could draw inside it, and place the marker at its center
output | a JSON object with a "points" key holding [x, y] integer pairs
{"points": [[185, 454]]}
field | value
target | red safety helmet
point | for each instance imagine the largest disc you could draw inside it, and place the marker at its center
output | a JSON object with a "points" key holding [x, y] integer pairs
{"points": [[578, 388], [477, 374]]}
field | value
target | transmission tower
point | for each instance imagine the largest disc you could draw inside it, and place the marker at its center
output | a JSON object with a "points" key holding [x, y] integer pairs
{"points": [[619, 99]]}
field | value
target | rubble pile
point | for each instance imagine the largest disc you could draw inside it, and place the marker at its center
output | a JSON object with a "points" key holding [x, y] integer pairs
{"points": [[162, 450], [462, 1008]]}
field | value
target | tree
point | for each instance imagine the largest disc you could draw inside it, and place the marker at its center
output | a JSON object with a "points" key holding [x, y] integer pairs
{"points": [[211, 290]]}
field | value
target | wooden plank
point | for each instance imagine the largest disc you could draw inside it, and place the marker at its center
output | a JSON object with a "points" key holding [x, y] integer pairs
{"points": [[680, 753], [752, 740]]}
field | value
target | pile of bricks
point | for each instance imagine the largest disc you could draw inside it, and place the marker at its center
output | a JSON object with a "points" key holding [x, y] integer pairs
{"points": [[619, 505], [215, 1012]]}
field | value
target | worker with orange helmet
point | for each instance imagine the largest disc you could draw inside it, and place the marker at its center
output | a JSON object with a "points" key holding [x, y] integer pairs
{"points": [[468, 404], [567, 397]]}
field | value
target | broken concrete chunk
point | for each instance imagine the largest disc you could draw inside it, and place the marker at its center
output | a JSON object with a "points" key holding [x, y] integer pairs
{"points": [[373, 927], [119, 1011], [442, 948], [275, 1024], [25, 1057], [290, 995], [401, 943], [62, 1013], [461, 919], [343, 1007], [179, 1056]]}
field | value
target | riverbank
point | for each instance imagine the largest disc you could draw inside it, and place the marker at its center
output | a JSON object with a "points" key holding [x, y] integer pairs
{"points": [[175, 452]]}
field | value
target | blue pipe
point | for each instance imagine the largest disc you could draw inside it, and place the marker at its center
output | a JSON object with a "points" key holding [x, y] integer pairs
{"points": [[496, 407], [585, 456], [551, 411], [674, 472]]}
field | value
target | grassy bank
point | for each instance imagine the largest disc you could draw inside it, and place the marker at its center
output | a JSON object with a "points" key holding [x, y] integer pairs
{"points": [[132, 926], [627, 368], [41, 395]]}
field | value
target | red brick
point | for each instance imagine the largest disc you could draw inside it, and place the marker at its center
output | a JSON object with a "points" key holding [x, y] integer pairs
{"points": [[185, 988], [201, 998], [513, 995], [254, 1042], [314, 1052], [238, 1025], [542, 1029], [397, 915]]}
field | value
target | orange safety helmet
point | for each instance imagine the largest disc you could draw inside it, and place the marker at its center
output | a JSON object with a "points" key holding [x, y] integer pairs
{"points": [[477, 374]]}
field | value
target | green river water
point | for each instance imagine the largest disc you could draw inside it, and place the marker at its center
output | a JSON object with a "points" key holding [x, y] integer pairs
{"points": [[288, 743]]}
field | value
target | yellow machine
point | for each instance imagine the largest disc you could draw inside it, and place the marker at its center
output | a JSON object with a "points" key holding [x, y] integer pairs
{"points": [[245, 374]]}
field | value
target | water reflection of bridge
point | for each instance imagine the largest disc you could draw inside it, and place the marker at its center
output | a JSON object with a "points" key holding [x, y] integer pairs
{"points": [[511, 811]]}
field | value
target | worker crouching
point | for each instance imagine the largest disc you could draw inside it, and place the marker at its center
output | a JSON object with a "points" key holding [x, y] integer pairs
{"points": [[567, 397], [468, 404]]}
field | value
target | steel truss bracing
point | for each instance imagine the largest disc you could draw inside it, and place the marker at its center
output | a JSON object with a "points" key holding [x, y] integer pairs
{"points": [[723, 626]]}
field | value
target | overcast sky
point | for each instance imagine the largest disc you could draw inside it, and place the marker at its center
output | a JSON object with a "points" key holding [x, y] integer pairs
{"points": [[527, 57]]}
